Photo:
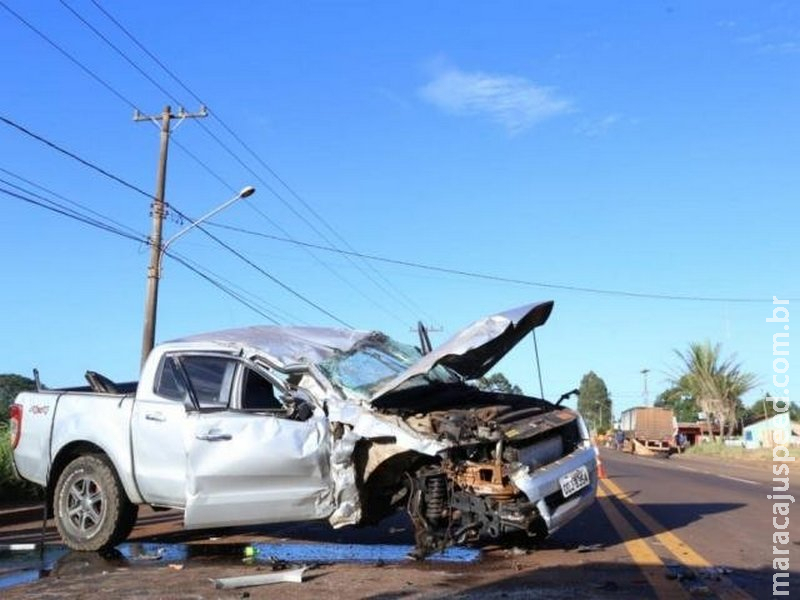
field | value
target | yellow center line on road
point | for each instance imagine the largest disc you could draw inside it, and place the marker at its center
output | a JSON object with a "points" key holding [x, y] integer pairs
{"points": [[682, 551], [643, 555]]}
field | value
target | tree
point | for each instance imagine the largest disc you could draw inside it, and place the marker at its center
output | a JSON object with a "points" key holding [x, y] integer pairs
{"points": [[764, 408], [681, 401], [497, 382], [594, 402], [10, 386], [715, 383]]}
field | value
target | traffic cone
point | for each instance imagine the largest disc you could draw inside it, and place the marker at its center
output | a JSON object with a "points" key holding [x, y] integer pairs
{"points": [[601, 470]]}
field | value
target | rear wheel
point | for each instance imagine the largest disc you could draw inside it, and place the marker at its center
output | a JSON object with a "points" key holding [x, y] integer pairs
{"points": [[92, 511]]}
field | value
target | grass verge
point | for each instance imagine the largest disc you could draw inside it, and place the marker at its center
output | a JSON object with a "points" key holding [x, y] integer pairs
{"points": [[13, 489], [735, 452]]}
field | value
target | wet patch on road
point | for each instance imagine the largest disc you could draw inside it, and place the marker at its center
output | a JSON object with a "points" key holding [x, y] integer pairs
{"points": [[22, 567]]}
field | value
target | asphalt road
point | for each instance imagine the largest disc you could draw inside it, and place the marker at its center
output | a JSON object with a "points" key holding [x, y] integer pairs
{"points": [[718, 510], [677, 528]]}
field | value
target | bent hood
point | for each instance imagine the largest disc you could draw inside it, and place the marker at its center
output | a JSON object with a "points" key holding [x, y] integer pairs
{"points": [[474, 350]]}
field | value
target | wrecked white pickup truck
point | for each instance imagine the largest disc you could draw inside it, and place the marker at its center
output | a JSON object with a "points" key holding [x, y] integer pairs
{"points": [[276, 424]]}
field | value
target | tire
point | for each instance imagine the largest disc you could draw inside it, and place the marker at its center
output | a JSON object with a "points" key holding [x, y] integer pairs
{"points": [[91, 509]]}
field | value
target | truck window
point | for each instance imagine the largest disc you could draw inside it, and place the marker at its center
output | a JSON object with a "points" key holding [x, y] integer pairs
{"points": [[211, 378], [169, 383], [259, 393]]}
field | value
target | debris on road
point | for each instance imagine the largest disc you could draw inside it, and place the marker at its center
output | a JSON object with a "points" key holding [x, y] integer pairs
{"points": [[17, 547], [287, 576], [607, 586], [715, 573], [590, 547], [702, 591], [139, 554]]}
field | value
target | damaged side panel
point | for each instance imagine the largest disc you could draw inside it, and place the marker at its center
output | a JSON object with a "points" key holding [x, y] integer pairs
{"points": [[245, 468]]}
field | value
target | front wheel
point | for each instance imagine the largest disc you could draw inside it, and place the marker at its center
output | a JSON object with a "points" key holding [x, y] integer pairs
{"points": [[92, 511]]}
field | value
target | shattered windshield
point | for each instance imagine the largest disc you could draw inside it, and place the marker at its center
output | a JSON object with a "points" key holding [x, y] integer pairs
{"points": [[376, 361]]}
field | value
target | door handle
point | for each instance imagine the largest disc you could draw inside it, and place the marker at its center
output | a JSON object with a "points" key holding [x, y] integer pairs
{"points": [[156, 416], [214, 437]]}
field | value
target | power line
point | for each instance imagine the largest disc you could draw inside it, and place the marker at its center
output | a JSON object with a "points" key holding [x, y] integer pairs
{"points": [[99, 34], [272, 278], [67, 200], [80, 65], [497, 278], [270, 308], [74, 156], [376, 258], [274, 224], [217, 140], [347, 253], [330, 269], [409, 303], [146, 240], [336, 273], [106, 173], [61, 209], [223, 287], [66, 212]]}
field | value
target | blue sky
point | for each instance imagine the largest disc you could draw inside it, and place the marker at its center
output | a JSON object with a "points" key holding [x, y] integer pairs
{"points": [[639, 147]]}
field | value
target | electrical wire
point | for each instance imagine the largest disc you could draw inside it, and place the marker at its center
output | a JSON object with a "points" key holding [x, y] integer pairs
{"points": [[406, 263], [275, 311], [74, 156], [140, 238], [215, 238], [73, 215], [61, 209], [496, 278], [272, 278], [222, 287], [332, 247], [222, 144], [333, 271], [67, 200], [75, 61], [398, 295], [99, 34]]}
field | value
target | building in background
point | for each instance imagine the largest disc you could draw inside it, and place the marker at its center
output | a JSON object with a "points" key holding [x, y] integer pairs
{"points": [[760, 434]]}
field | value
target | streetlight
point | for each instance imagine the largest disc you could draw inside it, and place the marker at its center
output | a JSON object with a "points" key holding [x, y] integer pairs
{"points": [[644, 373], [154, 272]]}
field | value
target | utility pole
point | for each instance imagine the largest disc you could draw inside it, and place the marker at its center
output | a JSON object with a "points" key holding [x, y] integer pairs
{"points": [[157, 212]]}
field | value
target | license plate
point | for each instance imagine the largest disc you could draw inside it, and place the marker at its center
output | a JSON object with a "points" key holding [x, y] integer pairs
{"points": [[574, 481]]}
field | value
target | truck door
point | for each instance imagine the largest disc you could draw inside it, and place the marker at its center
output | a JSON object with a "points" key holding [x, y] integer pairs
{"points": [[158, 435], [247, 460]]}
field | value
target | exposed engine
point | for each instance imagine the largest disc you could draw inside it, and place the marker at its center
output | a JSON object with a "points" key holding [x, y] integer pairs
{"points": [[469, 494]]}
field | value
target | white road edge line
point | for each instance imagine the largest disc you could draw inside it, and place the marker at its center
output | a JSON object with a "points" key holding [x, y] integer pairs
{"points": [[748, 481], [683, 468], [738, 479]]}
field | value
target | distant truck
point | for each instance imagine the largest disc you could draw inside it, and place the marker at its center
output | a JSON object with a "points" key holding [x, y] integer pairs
{"points": [[648, 430]]}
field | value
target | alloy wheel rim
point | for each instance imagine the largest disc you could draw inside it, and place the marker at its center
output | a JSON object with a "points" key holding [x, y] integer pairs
{"points": [[85, 505]]}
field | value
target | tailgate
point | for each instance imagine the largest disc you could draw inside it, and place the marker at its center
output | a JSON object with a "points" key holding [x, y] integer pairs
{"points": [[32, 454]]}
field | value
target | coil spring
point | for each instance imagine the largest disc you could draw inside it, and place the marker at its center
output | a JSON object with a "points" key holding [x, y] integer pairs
{"points": [[436, 497]]}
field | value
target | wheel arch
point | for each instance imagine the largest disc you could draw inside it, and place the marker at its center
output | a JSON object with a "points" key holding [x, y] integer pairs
{"points": [[69, 453], [380, 471]]}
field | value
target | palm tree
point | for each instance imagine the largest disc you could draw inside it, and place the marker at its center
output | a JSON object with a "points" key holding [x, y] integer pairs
{"points": [[716, 384]]}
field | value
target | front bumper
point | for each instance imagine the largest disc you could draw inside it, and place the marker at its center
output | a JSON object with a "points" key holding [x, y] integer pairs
{"points": [[543, 489]]}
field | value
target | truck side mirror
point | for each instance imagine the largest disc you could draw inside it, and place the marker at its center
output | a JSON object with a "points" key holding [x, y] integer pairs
{"points": [[299, 407]]}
